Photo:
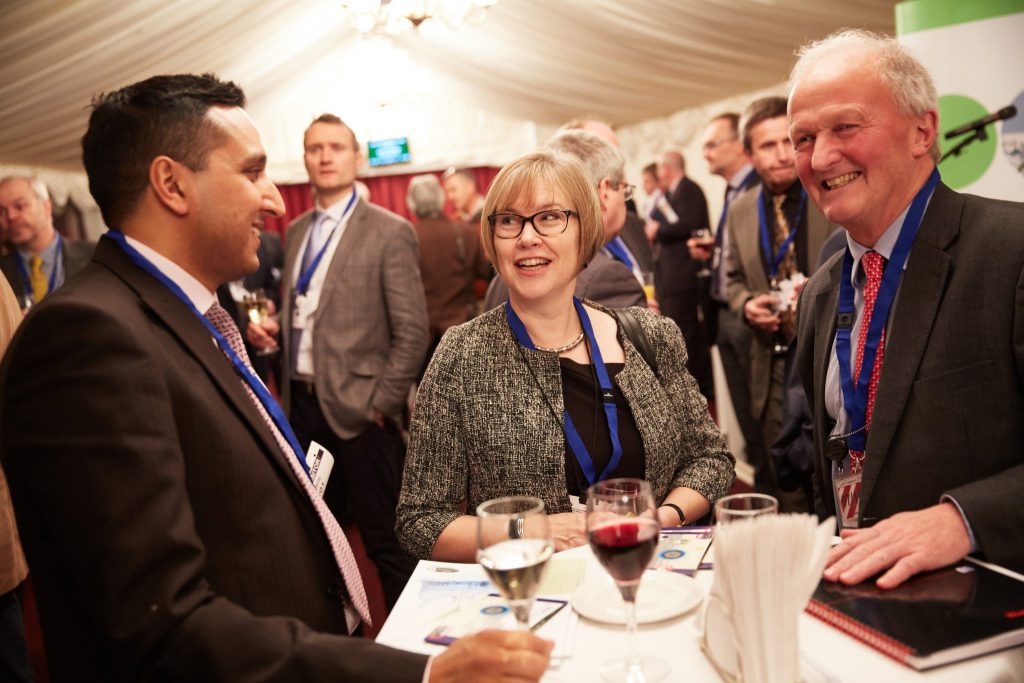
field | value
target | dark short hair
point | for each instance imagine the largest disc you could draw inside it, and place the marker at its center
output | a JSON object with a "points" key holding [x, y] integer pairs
{"points": [[160, 116], [335, 120], [761, 110], [732, 117], [651, 169]]}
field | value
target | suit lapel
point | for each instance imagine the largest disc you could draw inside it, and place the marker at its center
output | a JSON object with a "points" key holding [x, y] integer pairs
{"points": [[920, 293], [179, 320], [818, 230]]}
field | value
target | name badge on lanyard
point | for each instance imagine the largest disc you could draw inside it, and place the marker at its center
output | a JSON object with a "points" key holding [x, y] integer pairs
{"points": [[305, 303], [847, 485], [320, 463], [576, 445]]}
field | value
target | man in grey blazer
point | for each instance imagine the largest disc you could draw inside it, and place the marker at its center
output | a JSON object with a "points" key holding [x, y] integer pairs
{"points": [[607, 279], [750, 271], [26, 214], [940, 473], [355, 333]]}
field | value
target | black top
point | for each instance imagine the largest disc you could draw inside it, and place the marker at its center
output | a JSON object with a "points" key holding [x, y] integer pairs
{"points": [[583, 401]]}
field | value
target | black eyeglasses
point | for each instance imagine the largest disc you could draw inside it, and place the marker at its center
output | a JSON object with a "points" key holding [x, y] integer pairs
{"points": [[547, 223]]}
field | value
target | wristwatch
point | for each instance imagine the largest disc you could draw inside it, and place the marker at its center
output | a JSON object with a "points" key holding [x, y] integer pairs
{"points": [[516, 526]]}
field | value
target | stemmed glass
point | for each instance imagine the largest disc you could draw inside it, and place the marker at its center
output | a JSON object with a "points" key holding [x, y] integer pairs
{"points": [[706, 240], [257, 309], [514, 543], [623, 528]]}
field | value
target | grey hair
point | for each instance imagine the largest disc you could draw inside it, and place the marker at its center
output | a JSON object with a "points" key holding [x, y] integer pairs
{"points": [[907, 79], [37, 185], [599, 159], [425, 195]]}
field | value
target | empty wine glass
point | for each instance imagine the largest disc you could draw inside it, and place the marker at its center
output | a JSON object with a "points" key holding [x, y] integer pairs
{"points": [[513, 546], [622, 525]]}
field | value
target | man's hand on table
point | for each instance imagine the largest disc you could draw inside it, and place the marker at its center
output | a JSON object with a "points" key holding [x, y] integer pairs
{"points": [[906, 544], [493, 656]]}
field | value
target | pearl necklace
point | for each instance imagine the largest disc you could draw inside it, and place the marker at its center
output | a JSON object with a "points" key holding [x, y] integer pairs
{"points": [[568, 347]]}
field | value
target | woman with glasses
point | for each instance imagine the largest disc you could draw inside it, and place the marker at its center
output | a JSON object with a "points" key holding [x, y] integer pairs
{"points": [[545, 395]]}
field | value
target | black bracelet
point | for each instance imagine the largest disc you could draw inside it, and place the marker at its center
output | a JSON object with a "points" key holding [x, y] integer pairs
{"points": [[679, 511]]}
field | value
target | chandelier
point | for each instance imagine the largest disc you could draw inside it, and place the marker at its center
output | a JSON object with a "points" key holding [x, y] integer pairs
{"points": [[396, 16]]}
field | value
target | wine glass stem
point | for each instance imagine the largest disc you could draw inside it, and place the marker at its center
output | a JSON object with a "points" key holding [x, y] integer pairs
{"points": [[633, 662]]}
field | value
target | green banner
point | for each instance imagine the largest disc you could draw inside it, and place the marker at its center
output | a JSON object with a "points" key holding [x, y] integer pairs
{"points": [[919, 15]]}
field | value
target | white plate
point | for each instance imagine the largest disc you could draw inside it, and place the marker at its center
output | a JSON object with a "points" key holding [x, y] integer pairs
{"points": [[662, 595]]}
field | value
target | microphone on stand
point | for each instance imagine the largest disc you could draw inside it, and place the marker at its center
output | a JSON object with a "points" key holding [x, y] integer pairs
{"points": [[1004, 113]]}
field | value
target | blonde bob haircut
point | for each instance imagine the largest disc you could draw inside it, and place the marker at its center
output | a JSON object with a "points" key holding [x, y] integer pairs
{"points": [[537, 171]]}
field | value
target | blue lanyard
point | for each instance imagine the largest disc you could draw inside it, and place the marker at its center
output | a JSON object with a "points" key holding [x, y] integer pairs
{"points": [[27, 280], [618, 251], [855, 398], [302, 284], [725, 209], [576, 445], [773, 261], [247, 375]]}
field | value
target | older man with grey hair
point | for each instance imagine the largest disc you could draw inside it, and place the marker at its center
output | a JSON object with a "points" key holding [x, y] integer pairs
{"points": [[41, 259], [450, 259], [609, 279], [909, 340]]}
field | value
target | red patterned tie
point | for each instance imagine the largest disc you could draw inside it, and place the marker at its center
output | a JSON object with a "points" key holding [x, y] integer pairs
{"points": [[225, 324], [874, 267]]}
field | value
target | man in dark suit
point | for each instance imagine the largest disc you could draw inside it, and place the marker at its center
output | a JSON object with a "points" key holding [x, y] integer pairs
{"points": [[777, 216], [41, 259], [610, 278], [172, 531], [355, 334], [726, 157], [909, 339], [678, 288]]}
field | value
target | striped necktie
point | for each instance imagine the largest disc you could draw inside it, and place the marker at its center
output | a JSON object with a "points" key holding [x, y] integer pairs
{"points": [[225, 324]]}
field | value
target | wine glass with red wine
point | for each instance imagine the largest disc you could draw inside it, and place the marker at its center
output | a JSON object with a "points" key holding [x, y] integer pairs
{"points": [[622, 525]]}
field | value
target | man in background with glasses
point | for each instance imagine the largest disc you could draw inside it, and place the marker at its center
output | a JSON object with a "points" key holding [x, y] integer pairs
{"points": [[607, 279]]}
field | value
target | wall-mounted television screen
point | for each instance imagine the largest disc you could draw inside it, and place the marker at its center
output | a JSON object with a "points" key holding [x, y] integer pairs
{"points": [[390, 151]]}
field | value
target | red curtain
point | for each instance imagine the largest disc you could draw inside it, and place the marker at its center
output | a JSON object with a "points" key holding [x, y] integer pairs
{"points": [[386, 191]]}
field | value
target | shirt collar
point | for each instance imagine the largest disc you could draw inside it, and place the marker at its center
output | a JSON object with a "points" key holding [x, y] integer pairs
{"points": [[48, 254], [337, 209], [736, 181], [885, 244], [197, 293]]}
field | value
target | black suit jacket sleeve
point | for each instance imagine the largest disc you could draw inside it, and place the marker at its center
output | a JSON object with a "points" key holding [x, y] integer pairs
{"points": [[691, 209], [129, 469]]}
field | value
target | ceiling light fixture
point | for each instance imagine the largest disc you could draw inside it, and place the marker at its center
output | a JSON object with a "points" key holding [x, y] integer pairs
{"points": [[397, 16]]}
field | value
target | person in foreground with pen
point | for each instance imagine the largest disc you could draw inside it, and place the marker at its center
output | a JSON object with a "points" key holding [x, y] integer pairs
{"points": [[171, 525], [546, 394], [910, 339]]}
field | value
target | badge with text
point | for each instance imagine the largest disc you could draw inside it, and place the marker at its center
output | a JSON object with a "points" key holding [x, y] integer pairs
{"points": [[320, 463], [303, 308], [847, 497]]}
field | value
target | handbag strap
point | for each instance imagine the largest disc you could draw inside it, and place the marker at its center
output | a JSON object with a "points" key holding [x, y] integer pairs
{"points": [[636, 335]]}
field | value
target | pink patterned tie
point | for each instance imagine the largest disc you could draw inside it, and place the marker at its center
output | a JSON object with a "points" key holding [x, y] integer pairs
{"points": [[225, 324]]}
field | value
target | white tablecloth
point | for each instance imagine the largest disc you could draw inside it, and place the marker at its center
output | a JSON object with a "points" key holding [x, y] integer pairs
{"points": [[833, 654]]}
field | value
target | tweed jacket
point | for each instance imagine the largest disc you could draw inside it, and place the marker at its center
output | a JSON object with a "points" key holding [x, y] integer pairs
{"points": [[489, 419]]}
